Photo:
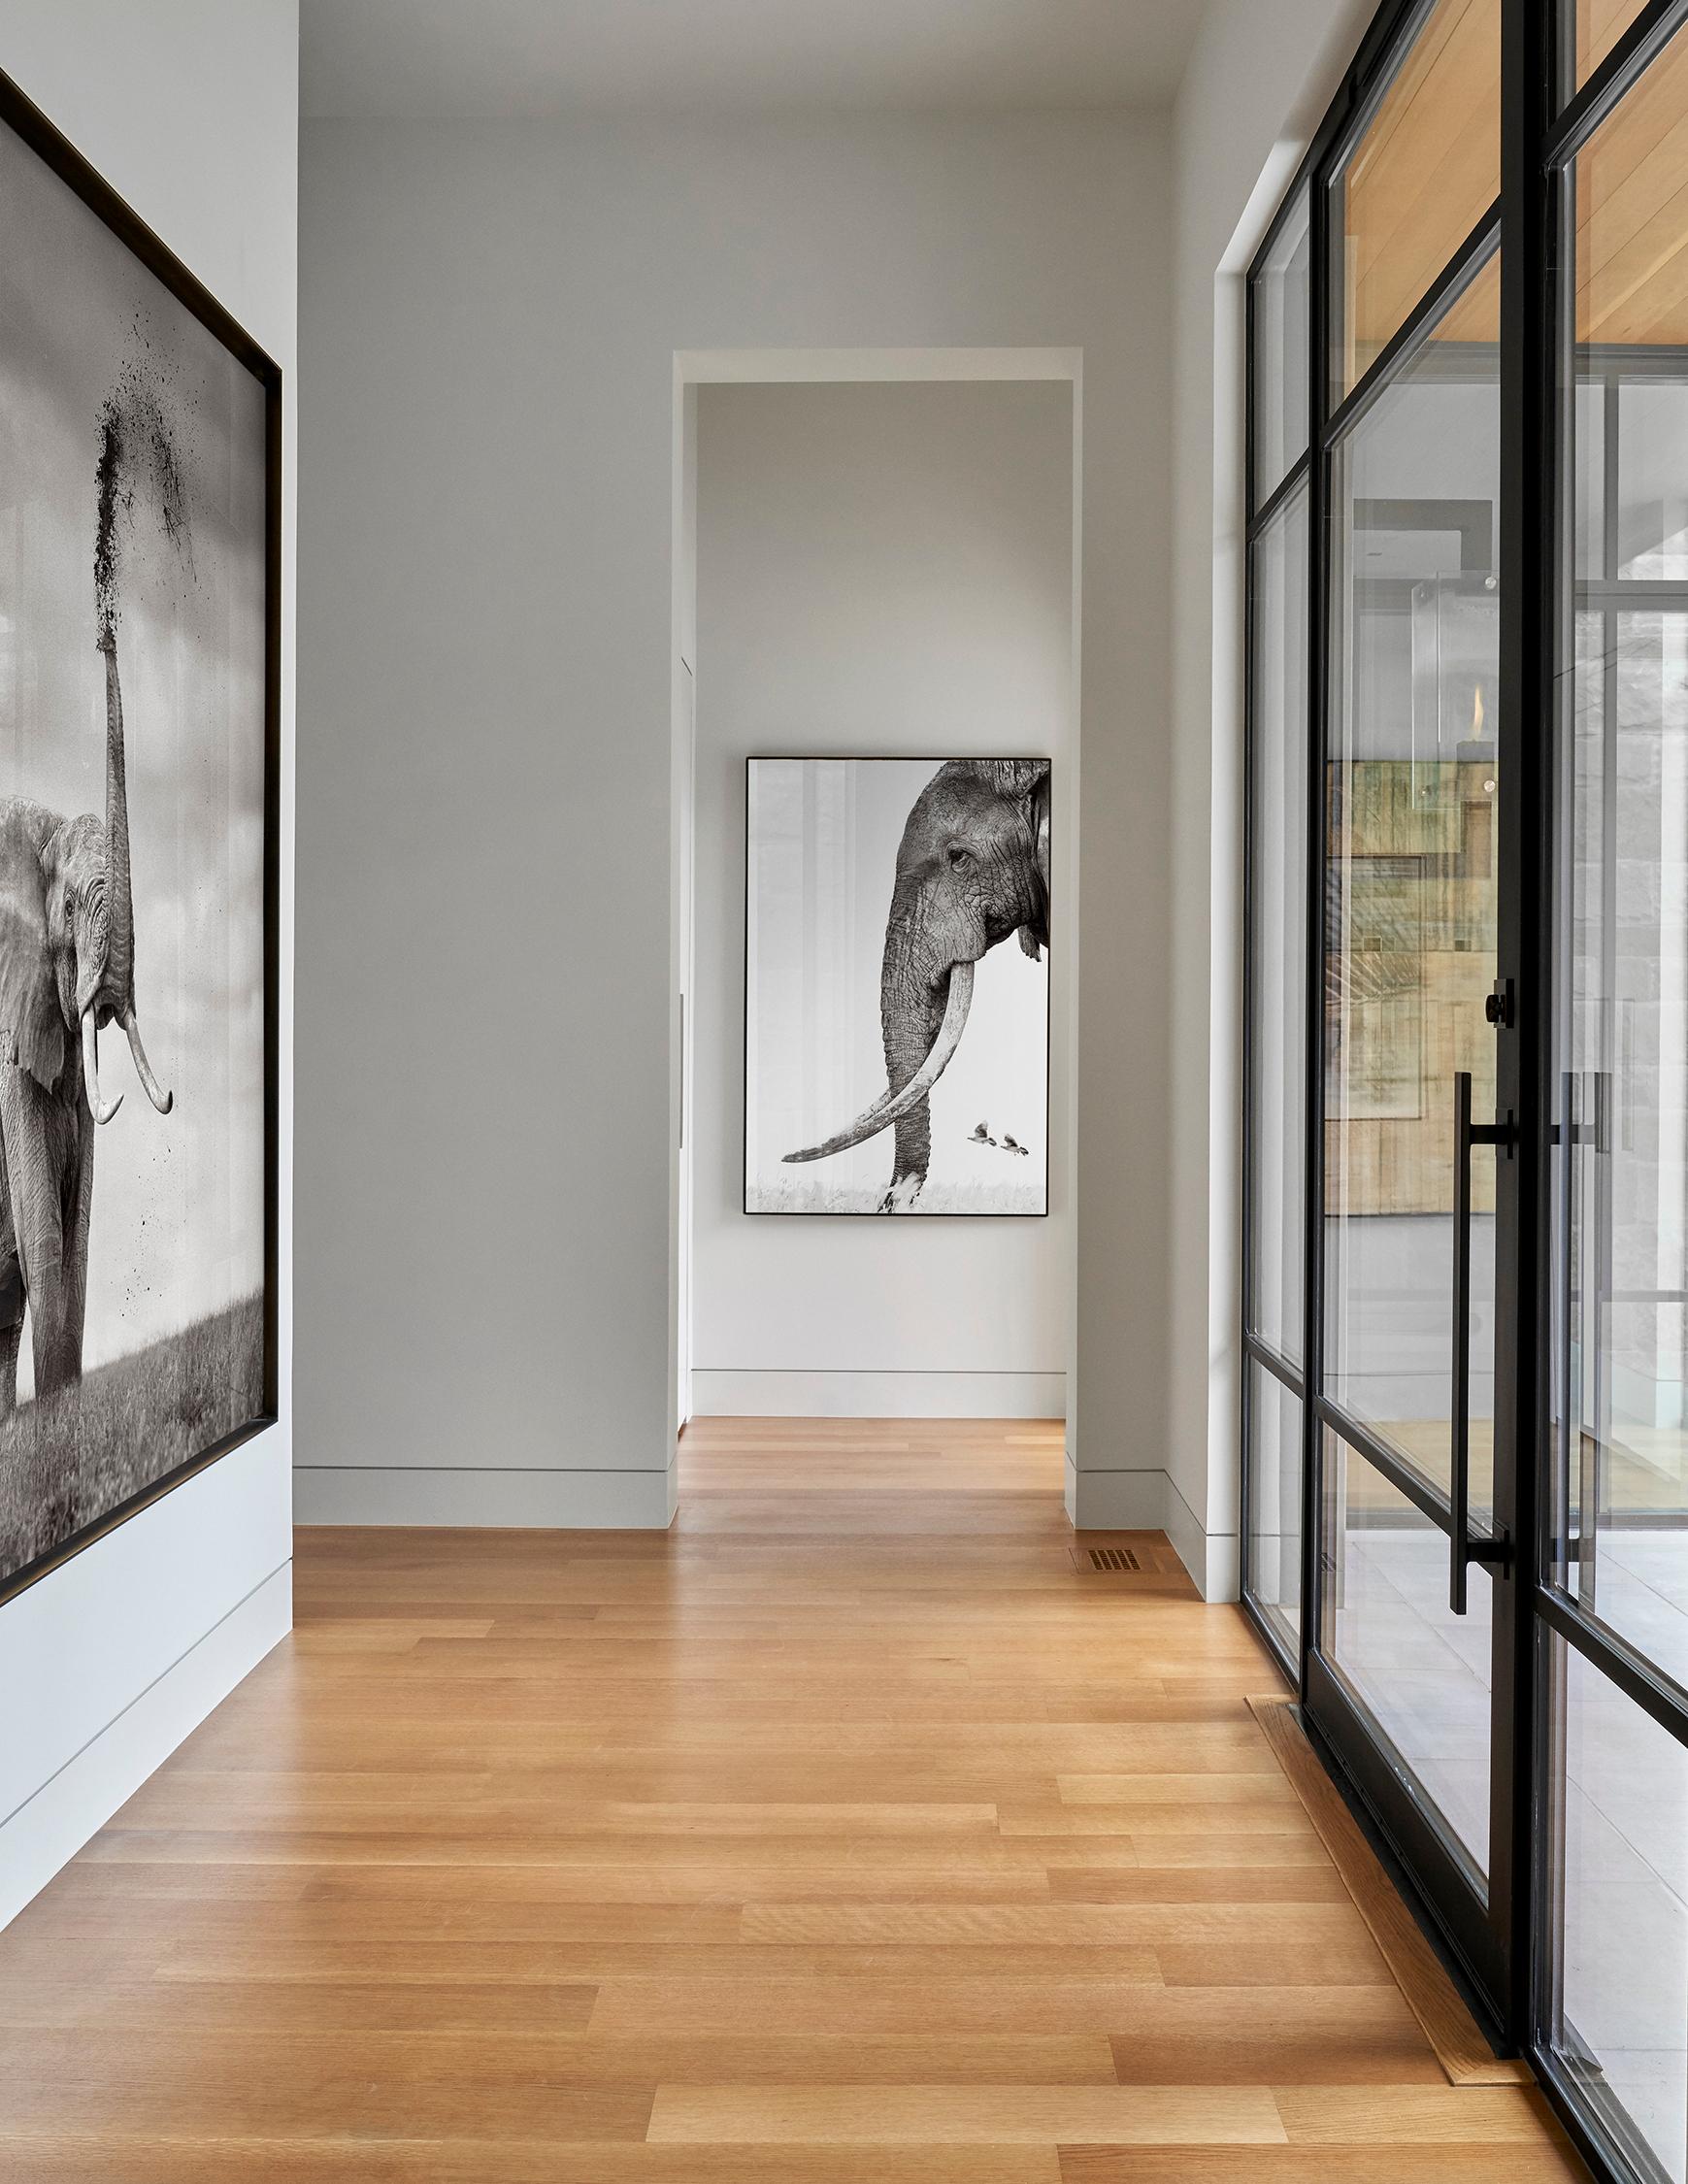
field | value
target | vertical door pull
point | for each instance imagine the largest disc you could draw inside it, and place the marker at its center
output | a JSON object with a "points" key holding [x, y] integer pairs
{"points": [[1464, 1550]]}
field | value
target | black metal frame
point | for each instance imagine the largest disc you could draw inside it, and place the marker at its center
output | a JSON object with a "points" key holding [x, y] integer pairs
{"points": [[24, 119], [1498, 1939]]}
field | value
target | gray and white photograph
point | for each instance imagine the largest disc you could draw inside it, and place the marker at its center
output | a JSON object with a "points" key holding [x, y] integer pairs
{"points": [[897, 986], [133, 527]]}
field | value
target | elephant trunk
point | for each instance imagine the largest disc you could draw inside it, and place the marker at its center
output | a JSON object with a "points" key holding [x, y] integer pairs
{"points": [[119, 900], [119, 906]]}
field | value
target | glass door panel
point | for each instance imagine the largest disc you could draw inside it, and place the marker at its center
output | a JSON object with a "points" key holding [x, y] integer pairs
{"points": [[1622, 1544], [1426, 169], [1279, 296], [1419, 1671], [1277, 968], [1616, 2005], [1275, 1503], [1619, 1883], [1412, 784]]}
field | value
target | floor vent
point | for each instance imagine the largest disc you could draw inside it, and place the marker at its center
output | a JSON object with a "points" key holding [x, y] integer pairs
{"points": [[1113, 1558]]}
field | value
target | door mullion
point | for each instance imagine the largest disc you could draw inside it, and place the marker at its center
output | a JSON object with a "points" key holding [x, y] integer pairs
{"points": [[1319, 461], [1529, 573]]}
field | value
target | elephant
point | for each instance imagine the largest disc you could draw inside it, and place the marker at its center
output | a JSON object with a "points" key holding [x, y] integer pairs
{"points": [[67, 969], [973, 869]]}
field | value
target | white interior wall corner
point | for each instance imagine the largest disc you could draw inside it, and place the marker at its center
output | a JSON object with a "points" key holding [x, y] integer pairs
{"points": [[1257, 85]]}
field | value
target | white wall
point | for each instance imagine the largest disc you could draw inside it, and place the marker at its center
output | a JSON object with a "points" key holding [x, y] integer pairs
{"points": [[489, 318], [1256, 88], [189, 108], [882, 569]]}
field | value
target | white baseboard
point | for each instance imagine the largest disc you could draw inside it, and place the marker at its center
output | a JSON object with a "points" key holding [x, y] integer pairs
{"points": [[72, 1804], [562, 1501], [728, 1393], [1211, 1556], [1150, 1501], [1116, 1501]]}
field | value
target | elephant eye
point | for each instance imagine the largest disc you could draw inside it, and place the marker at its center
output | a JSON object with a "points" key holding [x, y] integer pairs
{"points": [[959, 857]]}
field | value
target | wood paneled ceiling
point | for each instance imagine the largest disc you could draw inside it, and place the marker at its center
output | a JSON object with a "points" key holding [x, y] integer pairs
{"points": [[1423, 175], [1632, 215], [1429, 166]]}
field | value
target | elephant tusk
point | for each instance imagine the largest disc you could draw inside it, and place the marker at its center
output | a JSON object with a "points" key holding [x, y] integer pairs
{"points": [[891, 1106], [162, 1101], [102, 1110]]}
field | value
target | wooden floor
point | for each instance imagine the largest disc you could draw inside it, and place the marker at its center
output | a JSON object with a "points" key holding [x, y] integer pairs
{"points": [[856, 1829]]}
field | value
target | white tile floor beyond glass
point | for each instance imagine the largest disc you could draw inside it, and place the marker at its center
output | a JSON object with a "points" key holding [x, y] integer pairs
{"points": [[1423, 1672]]}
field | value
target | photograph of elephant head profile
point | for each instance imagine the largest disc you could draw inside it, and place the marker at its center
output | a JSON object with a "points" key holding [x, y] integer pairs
{"points": [[897, 996], [136, 792]]}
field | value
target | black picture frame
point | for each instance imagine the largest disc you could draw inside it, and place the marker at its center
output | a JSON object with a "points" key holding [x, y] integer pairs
{"points": [[935, 760], [25, 120]]}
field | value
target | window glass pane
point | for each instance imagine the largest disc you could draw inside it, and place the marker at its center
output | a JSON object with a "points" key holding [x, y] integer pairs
{"points": [[1421, 1672], [1411, 889], [1422, 176], [1620, 1353], [1274, 1471], [1652, 541], [1620, 1887], [1281, 335], [1277, 930], [1599, 24], [1591, 412]]}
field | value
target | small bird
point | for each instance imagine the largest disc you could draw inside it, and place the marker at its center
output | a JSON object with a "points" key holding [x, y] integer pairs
{"points": [[982, 1136], [1009, 1145]]}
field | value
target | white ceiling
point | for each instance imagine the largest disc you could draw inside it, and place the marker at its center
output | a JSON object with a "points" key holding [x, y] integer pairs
{"points": [[486, 57]]}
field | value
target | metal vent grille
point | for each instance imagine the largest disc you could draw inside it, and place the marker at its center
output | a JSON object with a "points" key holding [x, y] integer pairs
{"points": [[1113, 1558]]}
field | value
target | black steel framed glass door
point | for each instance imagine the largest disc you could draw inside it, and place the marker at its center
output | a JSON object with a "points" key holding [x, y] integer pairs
{"points": [[1466, 1216]]}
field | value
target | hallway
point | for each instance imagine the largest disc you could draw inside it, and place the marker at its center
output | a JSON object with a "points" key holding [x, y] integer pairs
{"points": [[856, 1829]]}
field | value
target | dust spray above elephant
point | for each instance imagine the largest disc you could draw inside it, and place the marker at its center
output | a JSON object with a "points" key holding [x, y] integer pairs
{"points": [[973, 870], [67, 956]]}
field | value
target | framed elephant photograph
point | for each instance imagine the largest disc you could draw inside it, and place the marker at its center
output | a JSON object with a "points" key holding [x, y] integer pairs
{"points": [[140, 716], [897, 986]]}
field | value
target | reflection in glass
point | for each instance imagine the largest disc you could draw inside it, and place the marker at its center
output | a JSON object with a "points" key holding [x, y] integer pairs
{"points": [[1421, 1672], [1277, 927], [1412, 891], [1652, 512], [1422, 176], [1599, 24], [1620, 1887], [1281, 353], [1274, 1527], [1621, 1176]]}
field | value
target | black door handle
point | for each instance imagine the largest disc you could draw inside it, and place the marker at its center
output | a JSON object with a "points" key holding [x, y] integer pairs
{"points": [[1464, 1550]]}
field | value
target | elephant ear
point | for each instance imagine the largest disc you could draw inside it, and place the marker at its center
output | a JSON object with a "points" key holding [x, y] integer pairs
{"points": [[32, 1027], [1012, 777]]}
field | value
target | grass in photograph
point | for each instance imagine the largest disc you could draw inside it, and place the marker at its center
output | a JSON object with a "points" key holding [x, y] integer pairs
{"points": [[935, 1198], [70, 1460]]}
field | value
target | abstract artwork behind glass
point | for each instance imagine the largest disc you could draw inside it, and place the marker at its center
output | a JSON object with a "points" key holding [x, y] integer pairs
{"points": [[137, 735], [897, 986]]}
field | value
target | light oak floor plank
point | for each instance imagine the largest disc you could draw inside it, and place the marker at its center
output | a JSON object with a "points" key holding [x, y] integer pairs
{"points": [[946, 2115], [854, 1832], [1448, 2024]]}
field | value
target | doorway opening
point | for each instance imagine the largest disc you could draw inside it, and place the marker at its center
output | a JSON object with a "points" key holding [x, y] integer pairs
{"points": [[875, 585]]}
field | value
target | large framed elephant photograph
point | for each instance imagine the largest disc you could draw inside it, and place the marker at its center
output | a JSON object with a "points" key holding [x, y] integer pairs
{"points": [[140, 559], [897, 986]]}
